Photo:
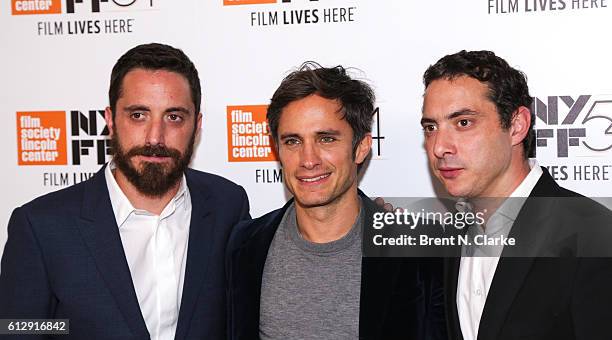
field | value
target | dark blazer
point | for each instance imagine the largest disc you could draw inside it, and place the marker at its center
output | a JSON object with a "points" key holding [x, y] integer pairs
{"points": [[566, 297], [64, 259], [400, 297]]}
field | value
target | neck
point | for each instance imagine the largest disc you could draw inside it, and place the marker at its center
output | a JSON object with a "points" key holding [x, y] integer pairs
{"points": [[507, 184], [152, 204], [330, 222]]}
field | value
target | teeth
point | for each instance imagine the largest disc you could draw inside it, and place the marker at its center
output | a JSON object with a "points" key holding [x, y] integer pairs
{"points": [[314, 179]]}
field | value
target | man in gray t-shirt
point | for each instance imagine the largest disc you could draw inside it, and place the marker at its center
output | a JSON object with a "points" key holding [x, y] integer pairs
{"points": [[298, 272], [311, 290]]}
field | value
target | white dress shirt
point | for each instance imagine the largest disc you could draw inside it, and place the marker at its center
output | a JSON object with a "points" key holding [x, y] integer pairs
{"points": [[156, 250], [476, 272]]}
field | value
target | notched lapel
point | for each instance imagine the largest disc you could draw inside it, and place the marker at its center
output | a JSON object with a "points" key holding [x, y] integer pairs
{"points": [[247, 271], [200, 245], [246, 266], [529, 230], [451, 278], [101, 234], [378, 279]]}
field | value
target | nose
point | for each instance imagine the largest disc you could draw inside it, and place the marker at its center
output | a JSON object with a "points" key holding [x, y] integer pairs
{"points": [[443, 144], [309, 155], [155, 132]]}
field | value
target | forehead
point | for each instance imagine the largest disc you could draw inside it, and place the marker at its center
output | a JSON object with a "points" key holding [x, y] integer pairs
{"points": [[312, 113], [140, 78], [156, 88], [445, 96]]}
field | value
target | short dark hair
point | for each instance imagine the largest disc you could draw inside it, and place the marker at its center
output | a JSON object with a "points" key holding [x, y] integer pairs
{"points": [[154, 56], [508, 88], [355, 97]]}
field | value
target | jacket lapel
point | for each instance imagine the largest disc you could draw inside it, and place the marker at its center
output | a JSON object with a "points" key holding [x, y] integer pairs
{"points": [[451, 278], [377, 284], [511, 270], [101, 234], [200, 246], [246, 274]]}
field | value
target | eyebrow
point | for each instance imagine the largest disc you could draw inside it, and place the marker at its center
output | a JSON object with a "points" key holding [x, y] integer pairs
{"points": [[462, 112], [453, 115], [178, 109], [146, 108], [136, 108], [289, 135], [318, 133], [328, 132]]}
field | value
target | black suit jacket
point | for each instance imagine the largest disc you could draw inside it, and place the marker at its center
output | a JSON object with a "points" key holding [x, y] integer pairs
{"points": [[64, 259], [563, 297], [400, 297]]}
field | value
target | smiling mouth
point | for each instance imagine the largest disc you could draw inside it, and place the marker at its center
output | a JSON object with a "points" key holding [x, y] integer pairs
{"points": [[314, 179]]}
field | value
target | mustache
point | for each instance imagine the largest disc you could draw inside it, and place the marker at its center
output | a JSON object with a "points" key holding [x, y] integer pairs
{"points": [[154, 151]]}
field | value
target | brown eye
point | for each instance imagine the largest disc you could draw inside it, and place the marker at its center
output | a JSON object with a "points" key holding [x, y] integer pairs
{"points": [[464, 122], [291, 141], [429, 128]]}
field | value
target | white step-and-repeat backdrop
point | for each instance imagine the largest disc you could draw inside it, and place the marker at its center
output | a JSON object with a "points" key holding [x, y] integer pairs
{"points": [[56, 57]]}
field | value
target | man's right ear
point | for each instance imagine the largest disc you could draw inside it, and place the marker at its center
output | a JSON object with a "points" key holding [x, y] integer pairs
{"points": [[108, 117]]}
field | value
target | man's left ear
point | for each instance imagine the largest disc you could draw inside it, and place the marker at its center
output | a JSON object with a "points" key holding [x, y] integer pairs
{"points": [[363, 148], [521, 121], [199, 123]]}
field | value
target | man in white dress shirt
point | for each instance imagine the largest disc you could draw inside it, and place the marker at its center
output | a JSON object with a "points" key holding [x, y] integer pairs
{"points": [[479, 134], [136, 252]]}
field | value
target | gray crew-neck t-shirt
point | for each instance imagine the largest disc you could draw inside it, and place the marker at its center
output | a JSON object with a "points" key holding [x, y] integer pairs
{"points": [[311, 290]]}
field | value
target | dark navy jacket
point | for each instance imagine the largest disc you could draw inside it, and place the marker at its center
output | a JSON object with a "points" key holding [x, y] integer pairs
{"points": [[64, 259]]}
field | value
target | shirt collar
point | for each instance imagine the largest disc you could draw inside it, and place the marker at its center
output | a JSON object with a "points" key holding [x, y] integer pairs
{"points": [[182, 199], [507, 212], [527, 185], [510, 208], [123, 208]]}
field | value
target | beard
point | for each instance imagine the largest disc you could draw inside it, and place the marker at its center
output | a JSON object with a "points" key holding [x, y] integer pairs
{"points": [[154, 179]]}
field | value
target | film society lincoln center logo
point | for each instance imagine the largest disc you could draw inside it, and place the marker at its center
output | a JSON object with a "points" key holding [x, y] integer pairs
{"points": [[25, 7], [248, 134], [41, 138], [81, 17], [44, 139], [29, 7]]}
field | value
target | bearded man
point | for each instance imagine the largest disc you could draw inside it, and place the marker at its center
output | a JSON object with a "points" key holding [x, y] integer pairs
{"points": [[136, 252]]}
